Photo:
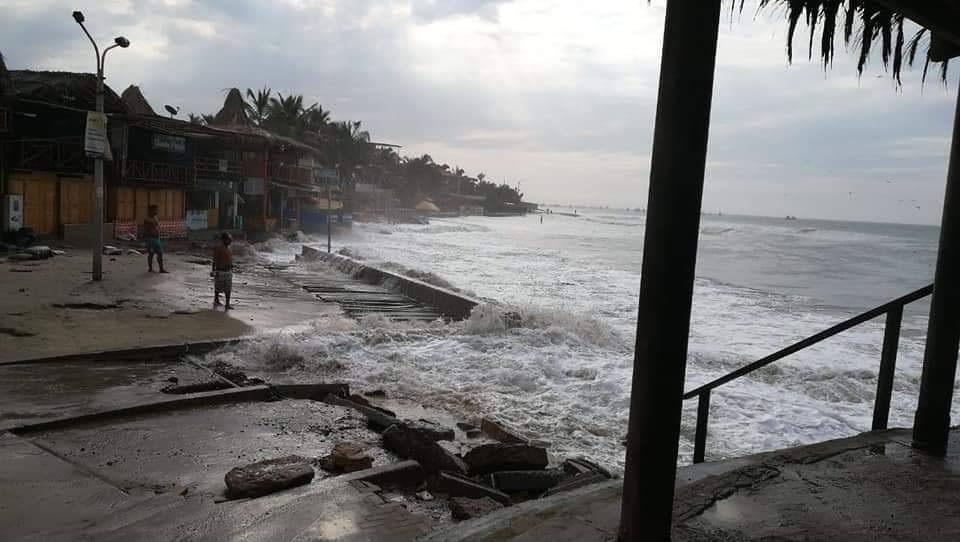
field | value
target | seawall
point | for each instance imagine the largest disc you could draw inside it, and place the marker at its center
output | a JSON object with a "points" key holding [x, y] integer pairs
{"points": [[452, 305]]}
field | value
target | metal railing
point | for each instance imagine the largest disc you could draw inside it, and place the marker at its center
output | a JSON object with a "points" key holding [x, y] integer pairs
{"points": [[888, 360]]}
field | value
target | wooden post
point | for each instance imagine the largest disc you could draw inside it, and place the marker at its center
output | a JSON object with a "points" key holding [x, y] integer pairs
{"points": [[888, 366], [931, 426], [669, 259]]}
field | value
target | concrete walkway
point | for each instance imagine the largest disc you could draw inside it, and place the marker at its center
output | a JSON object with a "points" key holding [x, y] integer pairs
{"points": [[869, 487]]}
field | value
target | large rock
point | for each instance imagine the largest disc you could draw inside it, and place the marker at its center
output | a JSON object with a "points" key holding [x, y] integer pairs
{"points": [[430, 430], [410, 443], [498, 456], [462, 508], [269, 476], [350, 457]]}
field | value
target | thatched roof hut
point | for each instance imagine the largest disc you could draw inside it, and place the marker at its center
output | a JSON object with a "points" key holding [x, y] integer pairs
{"points": [[233, 117], [136, 103], [68, 89], [233, 114]]}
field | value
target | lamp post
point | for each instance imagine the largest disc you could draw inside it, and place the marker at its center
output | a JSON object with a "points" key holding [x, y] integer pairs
{"points": [[98, 163]]}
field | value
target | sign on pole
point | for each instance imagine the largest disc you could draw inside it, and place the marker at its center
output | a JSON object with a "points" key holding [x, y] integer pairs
{"points": [[95, 140]]}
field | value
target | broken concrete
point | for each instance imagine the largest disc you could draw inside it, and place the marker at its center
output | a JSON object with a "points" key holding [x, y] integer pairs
{"points": [[350, 457], [514, 481], [407, 442], [377, 419], [430, 430], [497, 457], [269, 476], [456, 485], [501, 431], [463, 508]]}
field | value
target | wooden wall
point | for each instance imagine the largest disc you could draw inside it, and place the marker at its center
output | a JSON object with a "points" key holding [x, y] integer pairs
{"points": [[50, 201], [129, 204]]}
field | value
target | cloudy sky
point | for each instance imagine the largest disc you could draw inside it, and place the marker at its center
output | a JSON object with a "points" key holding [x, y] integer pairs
{"points": [[555, 95]]}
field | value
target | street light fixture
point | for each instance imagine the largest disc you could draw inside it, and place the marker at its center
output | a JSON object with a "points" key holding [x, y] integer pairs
{"points": [[122, 42]]}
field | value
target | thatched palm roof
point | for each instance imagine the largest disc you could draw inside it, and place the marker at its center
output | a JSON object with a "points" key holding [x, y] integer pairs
{"points": [[233, 118], [864, 24], [233, 114], [74, 90], [135, 102]]}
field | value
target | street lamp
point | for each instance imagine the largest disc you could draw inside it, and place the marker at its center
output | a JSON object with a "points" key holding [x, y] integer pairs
{"points": [[122, 42]]}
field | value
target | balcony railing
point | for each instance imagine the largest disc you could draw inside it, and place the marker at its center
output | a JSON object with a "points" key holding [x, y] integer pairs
{"points": [[297, 174], [159, 172], [216, 168], [52, 156]]}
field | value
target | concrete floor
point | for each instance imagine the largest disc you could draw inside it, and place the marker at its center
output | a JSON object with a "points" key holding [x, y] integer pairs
{"points": [[869, 487]]}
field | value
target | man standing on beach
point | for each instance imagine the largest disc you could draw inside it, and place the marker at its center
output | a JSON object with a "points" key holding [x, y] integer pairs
{"points": [[151, 237], [222, 271]]}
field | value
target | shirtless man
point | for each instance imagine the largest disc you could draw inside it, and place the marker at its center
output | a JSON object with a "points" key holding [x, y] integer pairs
{"points": [[151, 237], [222, 271]]}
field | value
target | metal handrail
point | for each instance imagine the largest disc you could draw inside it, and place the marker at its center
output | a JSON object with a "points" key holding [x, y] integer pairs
{"points": [[891, 336]]}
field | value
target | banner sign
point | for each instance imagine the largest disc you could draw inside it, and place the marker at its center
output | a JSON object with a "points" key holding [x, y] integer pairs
{"points": [[95, 137], [170, 143]]}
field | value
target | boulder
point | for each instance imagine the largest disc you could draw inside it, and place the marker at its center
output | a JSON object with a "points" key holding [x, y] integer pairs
{"points": [[498, 457], [472, 431], [265, 477], [409, 443], [462, 508], [350, 457], [582, 465]]}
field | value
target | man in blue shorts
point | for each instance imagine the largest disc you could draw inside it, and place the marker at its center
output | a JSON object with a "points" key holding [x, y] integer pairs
{"points": [[151, 237]]}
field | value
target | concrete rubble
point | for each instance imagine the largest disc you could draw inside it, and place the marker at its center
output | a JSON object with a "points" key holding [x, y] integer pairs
{"points": [[269, 476]]}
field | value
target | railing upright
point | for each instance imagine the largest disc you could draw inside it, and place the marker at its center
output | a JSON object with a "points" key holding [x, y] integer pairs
{"points": [[888, 365], [703, 416]]}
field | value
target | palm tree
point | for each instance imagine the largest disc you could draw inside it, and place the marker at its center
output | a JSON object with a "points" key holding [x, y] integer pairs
{"points": [[258, 105], [314, 118], [195, 119], [349, 145], [283, 114], [207, 118]]}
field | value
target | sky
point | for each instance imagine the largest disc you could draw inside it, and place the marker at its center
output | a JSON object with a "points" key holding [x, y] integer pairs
{"points": [[555, 96]]}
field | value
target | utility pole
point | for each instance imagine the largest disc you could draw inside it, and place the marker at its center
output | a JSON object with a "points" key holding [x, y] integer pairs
{"points": [[98, 162], [329, 216]]}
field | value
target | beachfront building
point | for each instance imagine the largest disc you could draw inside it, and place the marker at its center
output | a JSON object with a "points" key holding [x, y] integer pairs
{"points": [[43, 154]]}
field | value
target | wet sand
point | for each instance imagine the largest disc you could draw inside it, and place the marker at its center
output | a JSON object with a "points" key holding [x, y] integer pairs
{"points": [[51, 307]]}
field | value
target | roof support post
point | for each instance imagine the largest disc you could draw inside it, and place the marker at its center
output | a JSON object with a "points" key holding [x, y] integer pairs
{"points": [[669, 258], [931, 426]]}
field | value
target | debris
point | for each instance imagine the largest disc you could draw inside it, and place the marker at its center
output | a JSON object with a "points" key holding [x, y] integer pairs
{"points": [[498, 456], [110, 250], [173, 379], [210, 385], [430, 430], [424, 496], [59, 252], [20, 257], [498, 430], [462, 508], [133, 252], [350, 457], [129, 237], [576, 482], [472, 431], [513, 481], [406, 442], [375, 393], [15, 332], [265, 477], [39, 252], [457, 485], [582, 465], [377, 420]]}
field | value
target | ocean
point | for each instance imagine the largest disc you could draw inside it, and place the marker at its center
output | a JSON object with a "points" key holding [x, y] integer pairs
{"points": [[564, 375]]}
